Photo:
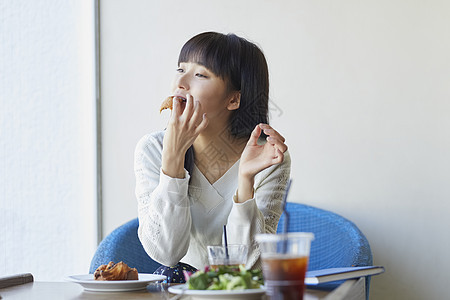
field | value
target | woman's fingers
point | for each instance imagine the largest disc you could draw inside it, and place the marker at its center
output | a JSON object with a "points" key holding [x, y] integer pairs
{"points": [[188, 115], [197, 115], [254, 136], [274, 138], [203, 124], [199, 120], [178, 107], [272, 132], [188, 110], [278, 158], [277, 143]]}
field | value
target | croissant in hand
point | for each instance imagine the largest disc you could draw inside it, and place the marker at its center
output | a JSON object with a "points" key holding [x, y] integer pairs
{"points": [[168, 102]]}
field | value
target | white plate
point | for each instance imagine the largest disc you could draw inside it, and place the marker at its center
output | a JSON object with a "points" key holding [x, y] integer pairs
{"points": [[222, 294], [89, 284]]}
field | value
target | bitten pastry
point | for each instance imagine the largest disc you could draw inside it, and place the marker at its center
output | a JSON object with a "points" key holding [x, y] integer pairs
{"points": [[112, 271], [168, 103]]}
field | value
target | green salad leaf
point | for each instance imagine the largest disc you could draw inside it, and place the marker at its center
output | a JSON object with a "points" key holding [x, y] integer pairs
{"points": [[225, 278]]}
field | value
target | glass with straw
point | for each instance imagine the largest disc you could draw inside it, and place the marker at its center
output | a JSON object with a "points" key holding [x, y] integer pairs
{"points": [[227, 255], [285, 260]]}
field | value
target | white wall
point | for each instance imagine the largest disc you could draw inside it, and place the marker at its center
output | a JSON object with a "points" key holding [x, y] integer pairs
{"points": [[47, 138], [364, 91]]}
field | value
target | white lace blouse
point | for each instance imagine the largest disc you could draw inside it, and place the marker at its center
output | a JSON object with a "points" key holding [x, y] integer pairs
{"points": [[178, 218]]}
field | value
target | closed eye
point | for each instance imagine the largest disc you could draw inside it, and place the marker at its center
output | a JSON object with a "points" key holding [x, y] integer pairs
{"points": [[180, 70]]}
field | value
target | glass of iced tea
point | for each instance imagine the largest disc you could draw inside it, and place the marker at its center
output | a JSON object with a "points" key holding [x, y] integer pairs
{"points": [[284, 263], [232, 255]]}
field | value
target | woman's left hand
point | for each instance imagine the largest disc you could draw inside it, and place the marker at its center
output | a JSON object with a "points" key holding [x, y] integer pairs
{"points": [[256, 158]]}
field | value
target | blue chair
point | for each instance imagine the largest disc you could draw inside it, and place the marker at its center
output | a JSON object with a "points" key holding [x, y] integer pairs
{"points": [[123, 244], [338, 242]]}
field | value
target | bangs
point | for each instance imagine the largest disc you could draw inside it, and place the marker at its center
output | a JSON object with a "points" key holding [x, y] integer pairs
{"points": [[215, 53]]}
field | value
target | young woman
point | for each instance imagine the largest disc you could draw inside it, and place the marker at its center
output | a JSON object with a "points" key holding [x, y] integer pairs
{"points": [[217, 163]]}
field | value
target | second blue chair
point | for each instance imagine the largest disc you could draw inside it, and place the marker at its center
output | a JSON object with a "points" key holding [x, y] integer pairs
{"points": [[337, 243]]}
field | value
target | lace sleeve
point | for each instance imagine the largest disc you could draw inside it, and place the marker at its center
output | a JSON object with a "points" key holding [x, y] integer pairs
{"points": [[262, 213], [163, 205]]}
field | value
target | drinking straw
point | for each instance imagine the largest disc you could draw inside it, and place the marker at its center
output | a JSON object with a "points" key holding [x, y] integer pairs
{"points": [[286, 219], [227, 256]]}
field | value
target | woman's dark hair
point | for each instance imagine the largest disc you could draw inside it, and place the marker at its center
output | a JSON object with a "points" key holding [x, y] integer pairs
{"points": [[242, 65]]}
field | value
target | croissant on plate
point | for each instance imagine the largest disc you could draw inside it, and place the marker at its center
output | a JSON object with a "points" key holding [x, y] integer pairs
{"points": [[112, 271]]}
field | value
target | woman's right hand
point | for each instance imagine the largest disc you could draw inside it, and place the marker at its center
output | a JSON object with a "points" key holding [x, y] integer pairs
{"points": [[183, 128]]}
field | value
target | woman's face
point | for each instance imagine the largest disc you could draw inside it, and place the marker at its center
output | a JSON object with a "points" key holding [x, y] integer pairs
{"points": [[205, 87]]}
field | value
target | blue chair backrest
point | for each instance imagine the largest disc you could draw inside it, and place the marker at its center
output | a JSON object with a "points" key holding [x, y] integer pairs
{"points": [[123, 244], [337, 243]]}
